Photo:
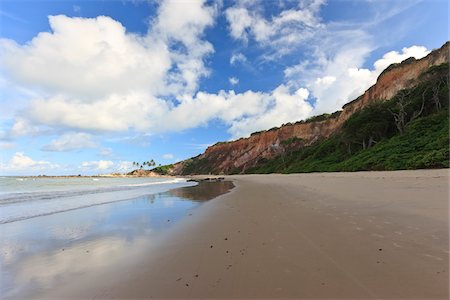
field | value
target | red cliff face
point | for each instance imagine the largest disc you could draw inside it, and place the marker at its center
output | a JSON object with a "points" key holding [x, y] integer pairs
{"points": [[244, 153]]}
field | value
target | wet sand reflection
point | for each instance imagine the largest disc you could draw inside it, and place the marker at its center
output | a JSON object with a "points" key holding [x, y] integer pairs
{"points": [[203, 191]]}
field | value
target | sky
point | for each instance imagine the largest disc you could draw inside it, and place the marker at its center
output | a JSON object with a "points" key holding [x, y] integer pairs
{"points": [[88, 87]]}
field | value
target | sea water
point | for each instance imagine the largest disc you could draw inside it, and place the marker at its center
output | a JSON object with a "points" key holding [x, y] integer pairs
{"points": [[27, 197]]}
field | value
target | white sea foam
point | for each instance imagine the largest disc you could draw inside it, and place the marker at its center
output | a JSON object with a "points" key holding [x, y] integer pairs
{"points": [[176, 180]]}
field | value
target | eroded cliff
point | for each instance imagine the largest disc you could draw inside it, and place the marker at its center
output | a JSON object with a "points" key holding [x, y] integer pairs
{"points": [[237, 156]]}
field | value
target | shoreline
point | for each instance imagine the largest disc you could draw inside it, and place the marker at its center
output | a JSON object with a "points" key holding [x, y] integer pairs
{"points": [[95, 176], [341, 235]]}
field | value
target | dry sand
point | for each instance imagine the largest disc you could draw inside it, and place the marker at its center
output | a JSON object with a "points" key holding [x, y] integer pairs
{"points": [[338, 235]]}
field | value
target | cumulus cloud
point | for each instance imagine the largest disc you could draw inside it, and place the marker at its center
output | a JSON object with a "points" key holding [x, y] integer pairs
{"points": [[168, 156], [106, 152], [124, 166], [121, 166], [71, 141], [100, 165], [283, 107], [237, 58], [233, 80], [23, 127], [92, 74], [87, 58], [338, 80], [280, 32], [395, 56], [20, 162], [244, 112]]}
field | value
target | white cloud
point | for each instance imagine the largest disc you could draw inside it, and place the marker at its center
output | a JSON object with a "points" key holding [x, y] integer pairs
{"points": [[168, 156], [91, 74], [233, 80], [283, 107], [279, 32], [21, 162], [340, 79], [71, 141], [185, 22], [104, 166], [23, 127], [396, 57], [237, 58], [124, 166], [106, 152], [7, 145], [326, 80], [100, 165], [243, 112], [87, 58]]}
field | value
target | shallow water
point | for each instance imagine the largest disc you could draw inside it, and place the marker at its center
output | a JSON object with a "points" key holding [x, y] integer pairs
{"points": [[28, 197], [40, 253]]}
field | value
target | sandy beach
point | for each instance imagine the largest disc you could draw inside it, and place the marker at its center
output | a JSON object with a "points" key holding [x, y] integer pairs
{"points": [[311, 236]]}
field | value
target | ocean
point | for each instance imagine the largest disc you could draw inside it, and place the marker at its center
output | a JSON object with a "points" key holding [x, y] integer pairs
{"points": [[27, 197]]}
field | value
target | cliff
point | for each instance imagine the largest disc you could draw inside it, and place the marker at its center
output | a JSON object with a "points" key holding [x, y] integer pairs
{"points": [[240, 155]]}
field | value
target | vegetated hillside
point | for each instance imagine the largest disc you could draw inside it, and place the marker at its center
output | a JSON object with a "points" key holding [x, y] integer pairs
{"points": [[344, 140]]}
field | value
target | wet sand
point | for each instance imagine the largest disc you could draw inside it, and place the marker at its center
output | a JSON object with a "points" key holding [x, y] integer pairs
{"points": [[203, 191], [312, 236]]}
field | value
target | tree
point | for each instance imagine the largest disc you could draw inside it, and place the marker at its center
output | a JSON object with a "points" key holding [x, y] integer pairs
{"points": [[399, 113], [439, 79], [367, 126]]}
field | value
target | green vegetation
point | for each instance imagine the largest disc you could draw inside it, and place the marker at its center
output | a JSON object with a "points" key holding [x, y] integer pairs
{"points": [[291, 140], [410, 131], [197, 165], [162, 170], [322, 117]]}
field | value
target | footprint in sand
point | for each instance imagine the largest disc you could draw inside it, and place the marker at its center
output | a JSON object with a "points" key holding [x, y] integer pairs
{"points": [[378, 235], [432, 256], [396, 245]]}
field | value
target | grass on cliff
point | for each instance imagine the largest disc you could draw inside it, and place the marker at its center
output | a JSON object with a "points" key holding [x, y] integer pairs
{"points": [[424, 144], [162, 170]]}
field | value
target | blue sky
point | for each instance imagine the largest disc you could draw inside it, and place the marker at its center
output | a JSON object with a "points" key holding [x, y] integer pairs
{"points": [[90, 86]]}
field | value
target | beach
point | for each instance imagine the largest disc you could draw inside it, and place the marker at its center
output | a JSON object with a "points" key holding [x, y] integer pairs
{"points": [[312, 236]]}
